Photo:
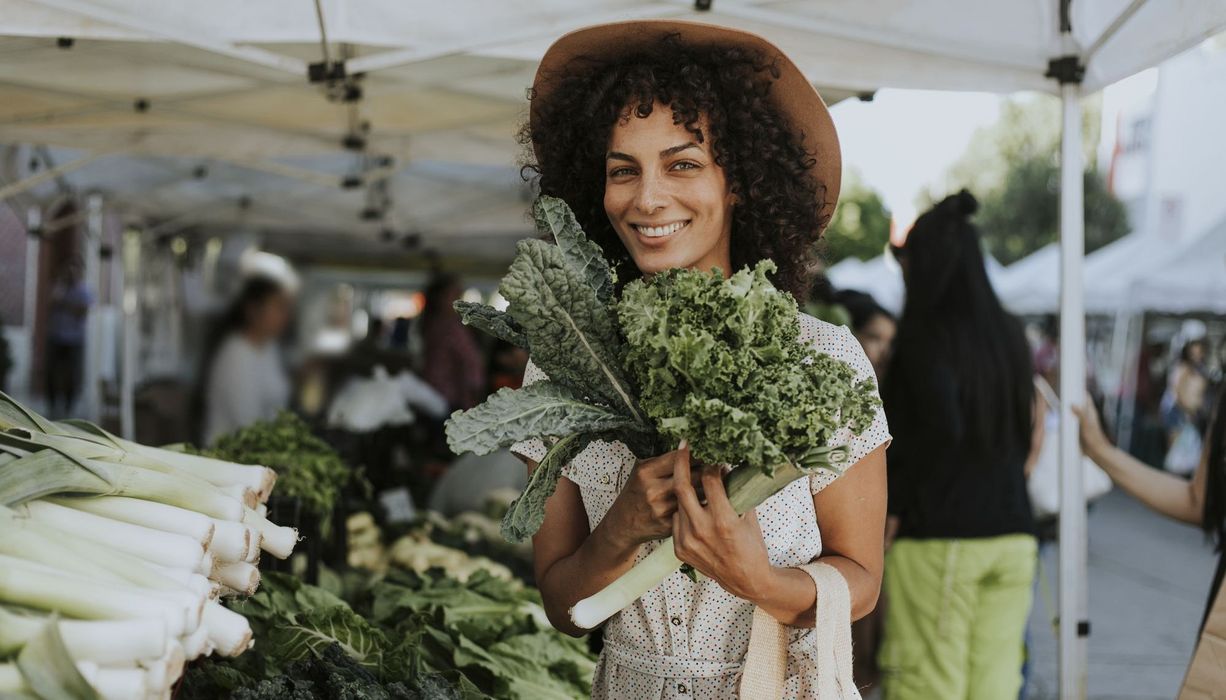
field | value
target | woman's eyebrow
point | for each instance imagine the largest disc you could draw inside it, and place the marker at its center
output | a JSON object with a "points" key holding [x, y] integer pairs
{"points": [[617, 155], [677, 149]]}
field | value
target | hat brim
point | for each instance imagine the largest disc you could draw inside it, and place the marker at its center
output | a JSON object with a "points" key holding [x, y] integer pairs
{"points": [[792, 94]]}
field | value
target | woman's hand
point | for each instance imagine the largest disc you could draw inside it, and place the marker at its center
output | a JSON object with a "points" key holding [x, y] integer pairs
{"points": [[724, 546], [644, 509], [1093, 440]]}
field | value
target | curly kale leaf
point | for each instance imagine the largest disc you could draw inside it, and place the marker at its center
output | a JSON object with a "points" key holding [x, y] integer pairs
{"points": [[492, 321], [554, 217], [719, 362], [543, 409]]}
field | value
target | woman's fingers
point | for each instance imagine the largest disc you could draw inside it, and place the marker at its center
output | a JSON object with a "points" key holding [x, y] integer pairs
{"points": [[687, 498], [717, 496]]}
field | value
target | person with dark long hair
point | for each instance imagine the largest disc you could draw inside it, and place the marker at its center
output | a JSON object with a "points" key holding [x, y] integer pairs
{"points": [[960, 401], [1200, 501], [245, 379]]}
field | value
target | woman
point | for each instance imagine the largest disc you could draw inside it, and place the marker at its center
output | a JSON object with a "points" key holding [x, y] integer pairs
{"points": [[452, 362], [1200, 501], [960, 401], [245, 380], [873, 326], [680, 144]]}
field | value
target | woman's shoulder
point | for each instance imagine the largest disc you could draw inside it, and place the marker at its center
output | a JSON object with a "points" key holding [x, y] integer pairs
{"points": [[835, 341]]}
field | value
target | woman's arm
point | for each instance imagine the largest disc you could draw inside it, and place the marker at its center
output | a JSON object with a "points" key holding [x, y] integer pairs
{"points": [[1166, 493], [1037, 430], [851, 514], [572, 563]]}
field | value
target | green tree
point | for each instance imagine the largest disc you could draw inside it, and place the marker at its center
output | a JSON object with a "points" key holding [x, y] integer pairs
{"points": [[861, 224], [1013, 168]]}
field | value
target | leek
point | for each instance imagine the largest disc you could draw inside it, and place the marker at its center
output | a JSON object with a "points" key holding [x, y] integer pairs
{"points": [[147, 513], [100, 641], [748, 487], [157, 546]]}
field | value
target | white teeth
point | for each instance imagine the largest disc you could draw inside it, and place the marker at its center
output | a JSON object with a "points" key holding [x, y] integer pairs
{"points": [[660, 231]]}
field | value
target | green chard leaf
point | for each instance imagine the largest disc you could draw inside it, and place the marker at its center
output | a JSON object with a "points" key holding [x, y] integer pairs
{"points": [[572, 333], [527, 512], [554, 217], [489, 320], [543, 409], [313, 630]]}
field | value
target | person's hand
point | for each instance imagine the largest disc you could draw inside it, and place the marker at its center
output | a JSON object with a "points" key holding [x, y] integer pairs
{"points": [[1093, 440], [644, 509], [713, 539]]}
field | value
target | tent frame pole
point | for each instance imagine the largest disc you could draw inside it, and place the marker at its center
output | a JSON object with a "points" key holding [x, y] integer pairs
{"points": [[1074, 628]]}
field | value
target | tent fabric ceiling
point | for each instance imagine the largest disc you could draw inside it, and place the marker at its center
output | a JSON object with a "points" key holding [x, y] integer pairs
{"points": [[224, 83]]}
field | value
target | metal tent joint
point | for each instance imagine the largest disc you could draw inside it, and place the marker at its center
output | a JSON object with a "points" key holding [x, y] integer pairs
{"points": [[1066, 70]]}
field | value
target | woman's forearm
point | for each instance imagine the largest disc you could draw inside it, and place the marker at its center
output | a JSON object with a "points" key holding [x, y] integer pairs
{"points": [[790, 596], [1166, 493], [601, 558]]}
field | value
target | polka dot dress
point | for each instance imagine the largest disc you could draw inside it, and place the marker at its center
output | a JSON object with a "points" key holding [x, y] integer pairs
{"points": [[685, 640]]}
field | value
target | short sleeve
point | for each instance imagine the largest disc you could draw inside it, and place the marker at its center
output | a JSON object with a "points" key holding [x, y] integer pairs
{"points": [[533, 449], [839, 343]]}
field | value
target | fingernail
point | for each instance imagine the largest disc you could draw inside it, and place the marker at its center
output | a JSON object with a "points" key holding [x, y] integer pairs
{"points": [[684, 444]]}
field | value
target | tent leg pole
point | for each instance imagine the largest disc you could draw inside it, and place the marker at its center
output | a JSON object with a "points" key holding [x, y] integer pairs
{"points": [[1074, 623]]}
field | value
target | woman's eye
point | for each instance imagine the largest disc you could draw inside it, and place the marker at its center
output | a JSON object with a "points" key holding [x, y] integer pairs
{"points": [[617, 172], [685, 165]]}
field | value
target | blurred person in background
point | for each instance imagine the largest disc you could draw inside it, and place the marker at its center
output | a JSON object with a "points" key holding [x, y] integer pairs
{"points": [[398, 339], [507, 365], [452, 364], [961, 403], [1200, 501], [245, 380], [69, 309], [872, 325], [1183, 403]]}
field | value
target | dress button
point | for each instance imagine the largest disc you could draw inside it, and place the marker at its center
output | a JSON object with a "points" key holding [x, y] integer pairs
{"points": [[676, 621], [682, 689], [605, 479]]}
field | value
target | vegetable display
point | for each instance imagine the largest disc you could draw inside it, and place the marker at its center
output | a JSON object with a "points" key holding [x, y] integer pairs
{"points": [[307, 468], [113, 556], [405, 635], [682, 355]]}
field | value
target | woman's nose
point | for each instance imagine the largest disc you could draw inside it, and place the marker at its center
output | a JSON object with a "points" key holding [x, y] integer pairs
{"points": [[652, 195]]}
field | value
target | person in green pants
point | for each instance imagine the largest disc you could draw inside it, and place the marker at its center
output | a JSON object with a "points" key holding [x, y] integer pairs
{"points": [[961, 404]]}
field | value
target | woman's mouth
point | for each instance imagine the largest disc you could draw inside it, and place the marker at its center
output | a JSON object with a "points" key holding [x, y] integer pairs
{"points": [[663, 231]]}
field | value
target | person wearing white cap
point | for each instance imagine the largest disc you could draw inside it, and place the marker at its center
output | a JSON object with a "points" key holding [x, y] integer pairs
{"points": [[686, 145]]}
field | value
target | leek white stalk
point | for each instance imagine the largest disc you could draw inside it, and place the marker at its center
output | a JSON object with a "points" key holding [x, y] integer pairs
{"points": [[158, 516], [277, 540], [100, 641], [205, 567], [164, 670], [11, 680], [216, 471], [231, 540], [242, 494], [160, 547], [42, 589], [262, 509], [197, 643], [115, 683], [254, 546], [228, 631], [748, 487], [239, 575]]}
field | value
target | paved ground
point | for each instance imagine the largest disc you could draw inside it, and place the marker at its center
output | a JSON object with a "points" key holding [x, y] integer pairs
{"points": [[1149, 580]]}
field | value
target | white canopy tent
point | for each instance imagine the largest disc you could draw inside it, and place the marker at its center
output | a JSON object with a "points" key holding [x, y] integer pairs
{"points": [[226, 80]]}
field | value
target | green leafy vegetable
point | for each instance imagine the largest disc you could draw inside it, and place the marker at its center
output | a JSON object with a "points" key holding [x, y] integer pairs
{"points": [[555, 218], [491, 321], [307, 467]]}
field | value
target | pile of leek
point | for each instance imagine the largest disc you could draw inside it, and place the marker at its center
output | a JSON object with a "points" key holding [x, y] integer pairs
{"points": [[118, 554]]}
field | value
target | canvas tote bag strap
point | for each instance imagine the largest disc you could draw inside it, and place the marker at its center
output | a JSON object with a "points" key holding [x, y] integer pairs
{"points": [[766, 662]]}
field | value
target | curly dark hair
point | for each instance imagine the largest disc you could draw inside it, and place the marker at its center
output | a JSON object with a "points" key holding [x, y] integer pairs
{"points": [[778, 215]]}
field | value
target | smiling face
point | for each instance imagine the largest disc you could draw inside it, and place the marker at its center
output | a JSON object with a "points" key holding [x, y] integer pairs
{"points": [[665, 196]]}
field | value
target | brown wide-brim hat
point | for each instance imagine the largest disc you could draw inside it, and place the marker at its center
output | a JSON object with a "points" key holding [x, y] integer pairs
{"points": [[792, 94]]}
